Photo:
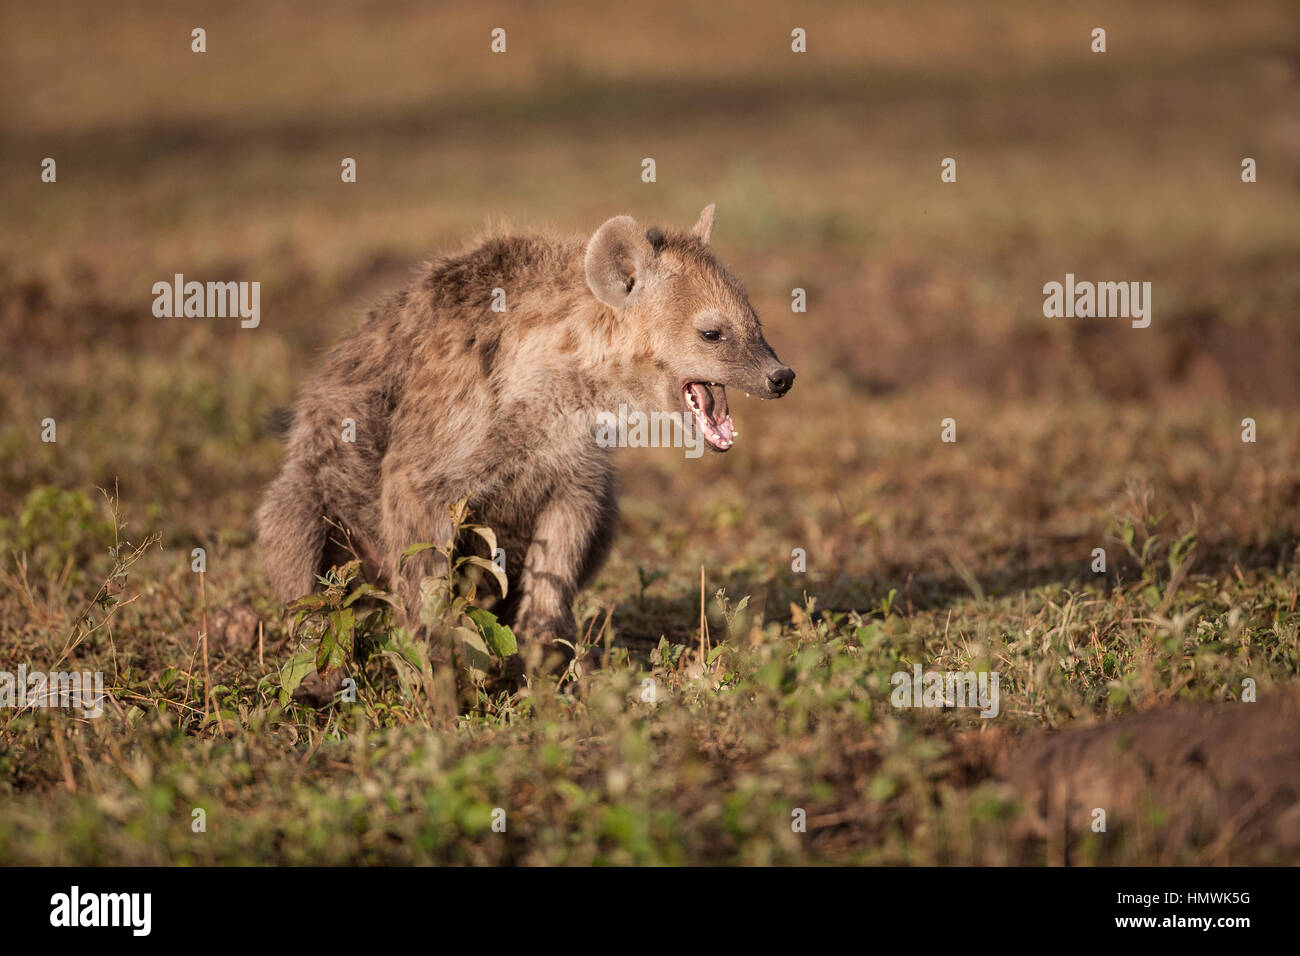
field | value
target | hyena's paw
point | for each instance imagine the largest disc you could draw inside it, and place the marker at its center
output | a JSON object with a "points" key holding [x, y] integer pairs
{"points": [[317, 691]]}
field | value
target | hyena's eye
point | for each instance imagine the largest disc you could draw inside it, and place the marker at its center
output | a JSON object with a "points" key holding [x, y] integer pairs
{"points": [[711, 335]]}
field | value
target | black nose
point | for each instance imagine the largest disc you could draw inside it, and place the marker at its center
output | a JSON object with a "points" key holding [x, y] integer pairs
{"points": [[779, 382]]}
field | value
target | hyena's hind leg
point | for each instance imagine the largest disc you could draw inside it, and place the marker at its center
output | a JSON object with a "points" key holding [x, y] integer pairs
{"points": [[291, 533]]}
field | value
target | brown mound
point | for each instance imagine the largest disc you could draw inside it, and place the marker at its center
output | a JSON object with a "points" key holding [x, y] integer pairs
{"points": [[1225, 777]]}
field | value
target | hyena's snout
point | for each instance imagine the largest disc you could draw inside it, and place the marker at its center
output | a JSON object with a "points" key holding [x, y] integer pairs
{"points": [[766, 377], [779, 380]]}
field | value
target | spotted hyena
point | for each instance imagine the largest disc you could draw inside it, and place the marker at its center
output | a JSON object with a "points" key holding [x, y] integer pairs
{"points": [[484, 380]]}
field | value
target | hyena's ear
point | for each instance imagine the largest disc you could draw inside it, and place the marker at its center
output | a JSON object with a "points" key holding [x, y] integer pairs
{"points": [[704, 228], [616, 260]]}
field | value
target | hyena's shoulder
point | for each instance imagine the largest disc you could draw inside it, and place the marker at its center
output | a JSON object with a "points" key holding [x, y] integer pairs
{"points": [[444, 323], [463, 305], [520, 266]]}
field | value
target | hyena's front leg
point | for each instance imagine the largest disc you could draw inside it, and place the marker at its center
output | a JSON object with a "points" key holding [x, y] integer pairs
{"points": [[571, 539]]}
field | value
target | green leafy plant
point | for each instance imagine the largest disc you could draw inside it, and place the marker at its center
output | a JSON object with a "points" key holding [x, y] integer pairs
{"points": [[350, 621], [474, 636], [346, 627]]}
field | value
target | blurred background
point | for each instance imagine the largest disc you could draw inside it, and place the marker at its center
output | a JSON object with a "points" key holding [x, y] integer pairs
{"points": [[924, 298]]}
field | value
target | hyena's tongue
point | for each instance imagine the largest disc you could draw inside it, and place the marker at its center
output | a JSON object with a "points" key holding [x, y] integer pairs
{"points": [[709, 403]]}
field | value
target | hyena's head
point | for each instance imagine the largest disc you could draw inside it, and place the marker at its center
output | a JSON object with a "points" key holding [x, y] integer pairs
{"points": [[689, 330]]}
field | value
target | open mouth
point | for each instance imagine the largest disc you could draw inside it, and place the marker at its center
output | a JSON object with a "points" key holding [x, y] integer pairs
{"points": [[708, 403]]}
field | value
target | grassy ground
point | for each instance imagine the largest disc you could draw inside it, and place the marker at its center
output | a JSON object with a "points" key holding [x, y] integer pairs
{"points": [[924, 303]]}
